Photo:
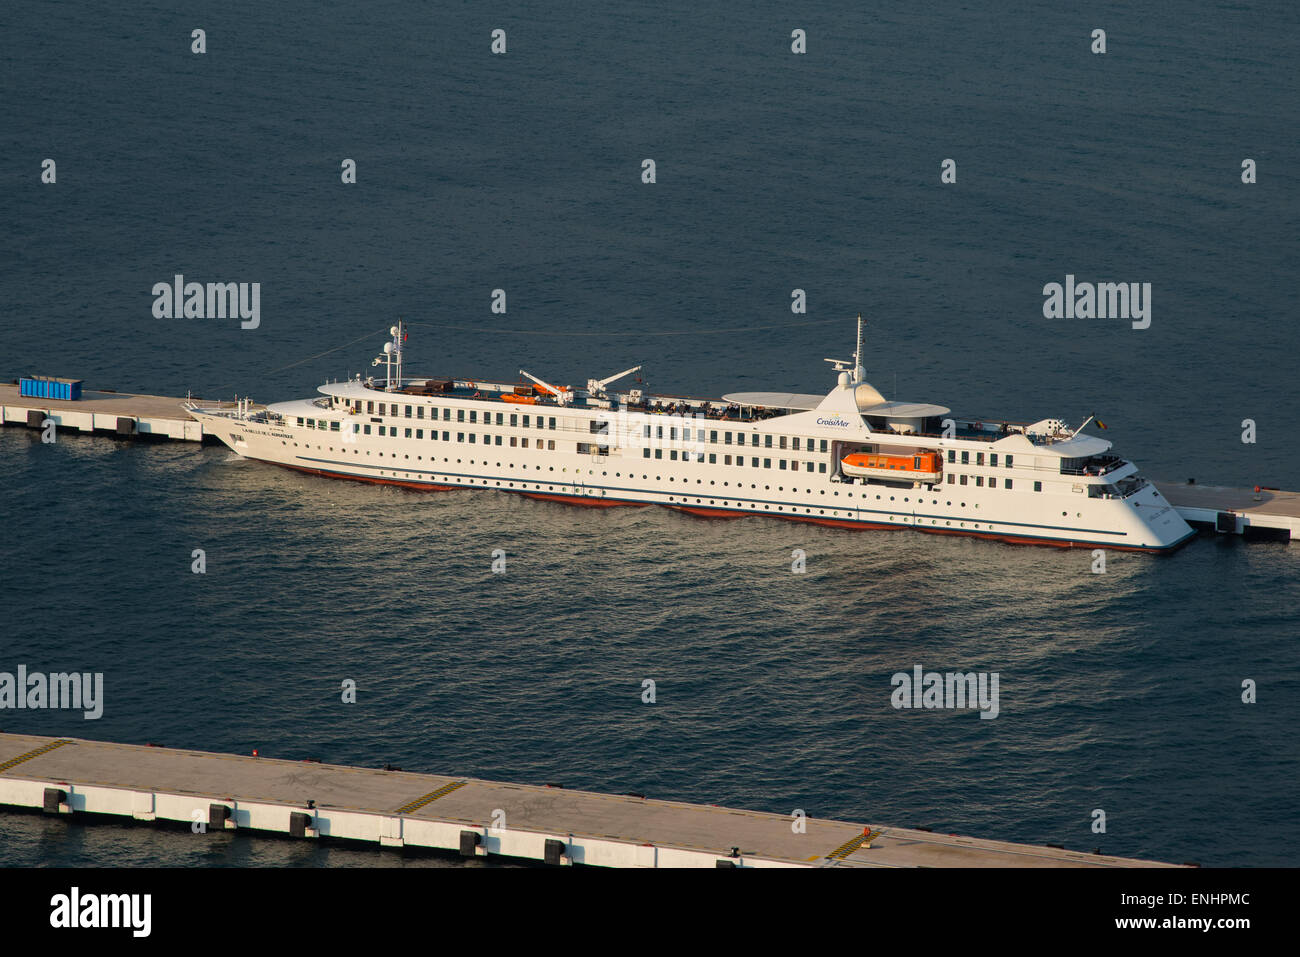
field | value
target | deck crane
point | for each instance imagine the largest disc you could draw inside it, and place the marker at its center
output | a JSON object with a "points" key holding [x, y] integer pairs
{"points": [[562, 396], [596, 387]]}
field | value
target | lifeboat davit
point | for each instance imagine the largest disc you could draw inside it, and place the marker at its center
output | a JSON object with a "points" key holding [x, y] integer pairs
{"points": [[917, 467]]}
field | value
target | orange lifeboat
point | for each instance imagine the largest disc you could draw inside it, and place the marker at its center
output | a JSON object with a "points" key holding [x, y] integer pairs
{"points": [[518, 399], [917, 467]]}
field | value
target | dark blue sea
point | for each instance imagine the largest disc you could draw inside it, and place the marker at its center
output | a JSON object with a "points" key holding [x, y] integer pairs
{"points": [[775, 172]]}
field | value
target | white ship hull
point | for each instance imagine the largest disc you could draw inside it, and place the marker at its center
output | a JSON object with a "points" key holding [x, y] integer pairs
{"points": [[1013, 486]]}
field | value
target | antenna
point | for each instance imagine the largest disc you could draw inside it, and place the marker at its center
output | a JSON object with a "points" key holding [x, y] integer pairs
{"points": [[859, 373]]}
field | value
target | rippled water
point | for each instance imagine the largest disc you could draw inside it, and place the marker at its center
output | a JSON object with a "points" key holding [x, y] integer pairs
{"points": [[1118, 691]]}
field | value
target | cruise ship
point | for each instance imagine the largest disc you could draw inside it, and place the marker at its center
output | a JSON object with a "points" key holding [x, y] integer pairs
{"points": [[848, 459]]}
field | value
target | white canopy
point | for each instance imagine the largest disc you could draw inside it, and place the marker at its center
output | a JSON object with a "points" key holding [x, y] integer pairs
{"points": [[775, 400]]}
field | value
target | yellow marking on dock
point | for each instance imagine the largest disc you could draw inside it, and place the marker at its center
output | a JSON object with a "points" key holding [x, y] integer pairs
{"points": [[33, 754], [851, 845], [430, 797]]}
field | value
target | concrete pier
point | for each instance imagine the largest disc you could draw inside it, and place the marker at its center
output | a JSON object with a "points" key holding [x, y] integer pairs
{"points": [[1269, 514], [115, 413], [553, 825]]}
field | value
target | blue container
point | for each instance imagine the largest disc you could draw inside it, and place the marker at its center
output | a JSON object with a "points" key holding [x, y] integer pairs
{"points": [[43, 387]]}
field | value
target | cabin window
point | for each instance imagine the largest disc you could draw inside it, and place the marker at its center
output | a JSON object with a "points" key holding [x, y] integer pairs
{"points": [[366, 429], [370, 407], [726, 460], [473, 417], [979, 458], [673, 455], [525, 422], [795, 443], [501, 419], [659, 453], [965, 458], [979, 480], [808, 466], [821, 467], [993, 459], [767, 441], [952, 479], [1006, 483], [419, 412], [551, 423], [408, 433], [460, 436], [446, 436], [1008, 461], [823, 449], [460, 415], [672, 433], [524, 442], [498, 442], [1038, 486], [753, 439], [782, 442], [334, 426], [713, 436], [419, 433], [728, 437], [753, 463], [514, 442], [713, 458], [300, 420], [473, 439], [383, 430], [408, 411], [963, 480], [514, 419], [311, 423], [550, 445], [767, 463], [952, 456], [781, 464]]}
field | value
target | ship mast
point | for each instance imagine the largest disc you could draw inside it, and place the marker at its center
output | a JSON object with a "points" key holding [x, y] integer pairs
{"points": [[859, 373], [392, 355]]}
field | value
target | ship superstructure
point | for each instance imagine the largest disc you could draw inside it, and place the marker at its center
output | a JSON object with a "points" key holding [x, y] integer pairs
{"points": [[849, 458]]}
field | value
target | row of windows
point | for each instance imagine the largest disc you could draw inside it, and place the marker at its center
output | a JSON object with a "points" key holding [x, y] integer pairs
{"points": [[980, 483], [979, 459], [714, 436], [783, 464], [393, 409]]}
